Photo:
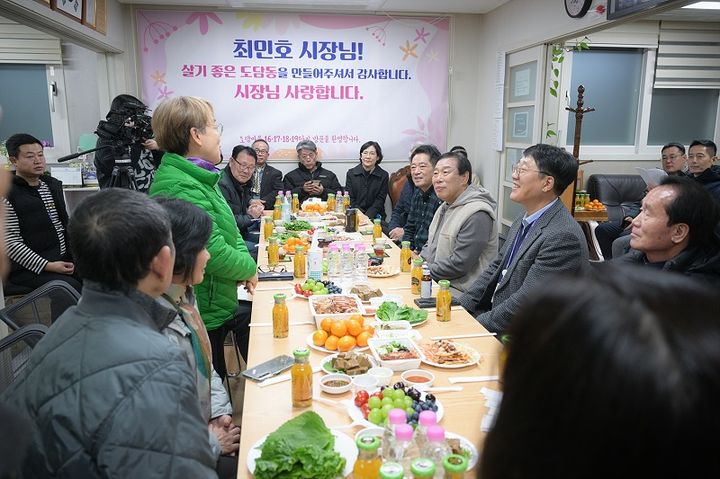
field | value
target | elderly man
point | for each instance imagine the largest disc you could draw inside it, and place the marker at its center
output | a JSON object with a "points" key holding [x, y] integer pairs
{"points": [[424, 201], [543, 241], [107, 393], [673, 233], [267, 181], [701, 158], [310, 179], [462, 238], [236, 184]]}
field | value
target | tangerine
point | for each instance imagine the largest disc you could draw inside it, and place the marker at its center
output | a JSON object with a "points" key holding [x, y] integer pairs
{"points": [[331, 343], [346, 343], [338, 328], [359, 318], [362, 339], [326, 324], [369, 329], [319, 337], [353, 327]]}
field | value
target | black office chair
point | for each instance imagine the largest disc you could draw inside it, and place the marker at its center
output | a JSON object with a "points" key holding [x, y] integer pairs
{"points": [[15, 351], [42, 306]]}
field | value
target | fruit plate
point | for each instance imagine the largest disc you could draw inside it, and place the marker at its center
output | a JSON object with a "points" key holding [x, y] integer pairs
{"points": [[326, 364], [344, 445], [329, 351], [357, 416], [433, 355]]}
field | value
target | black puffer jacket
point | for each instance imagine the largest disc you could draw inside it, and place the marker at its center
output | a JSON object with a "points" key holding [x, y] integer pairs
{"points": [[238, 198], [368, 191], [710, 179], [295, 180], [702, 264]]}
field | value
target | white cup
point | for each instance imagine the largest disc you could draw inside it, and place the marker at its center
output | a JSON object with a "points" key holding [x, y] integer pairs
{"points": [[364, 382]]}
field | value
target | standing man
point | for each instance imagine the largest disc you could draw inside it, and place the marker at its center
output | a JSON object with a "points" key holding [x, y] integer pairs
{"points": [[108, 395], [36, 219], [310, 179], [701, 156], [267, 181], [462, 238], [424, 201], [543, 241]]}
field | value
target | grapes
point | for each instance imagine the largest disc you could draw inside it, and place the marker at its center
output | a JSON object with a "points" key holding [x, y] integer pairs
{"points": [[413, 393], [399, 385], [430, 397], [399, 399]]}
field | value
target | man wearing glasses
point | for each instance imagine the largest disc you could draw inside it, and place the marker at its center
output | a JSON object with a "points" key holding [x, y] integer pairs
{"points": [[545, 240], [267, 181], [310, 179], [236, 184]]}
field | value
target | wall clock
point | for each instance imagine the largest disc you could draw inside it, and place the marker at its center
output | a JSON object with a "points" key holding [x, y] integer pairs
{"points": [[577, 8]]}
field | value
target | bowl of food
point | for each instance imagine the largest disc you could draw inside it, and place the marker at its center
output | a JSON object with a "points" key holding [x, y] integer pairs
{"points": [[336, 383], [398, 354], [384, 375], [418, 378], [338, 306]]}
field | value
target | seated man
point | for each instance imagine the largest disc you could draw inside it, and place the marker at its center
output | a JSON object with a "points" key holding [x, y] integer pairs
{"points": [[107, 393], [424, 201], [36, 219], [267, 181], [462, 238], [310, 179], [396, 226], [543, 241], [673, 162], [701, 156], [673, 233], [235, 185]]}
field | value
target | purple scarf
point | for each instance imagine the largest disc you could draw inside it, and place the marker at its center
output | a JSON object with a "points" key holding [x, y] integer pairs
{"points": [[204, 164]]}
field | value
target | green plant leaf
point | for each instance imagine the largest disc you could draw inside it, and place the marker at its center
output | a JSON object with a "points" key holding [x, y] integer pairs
{"points": [[553, 92], [550, 133], [555, 83], [556, 72]]}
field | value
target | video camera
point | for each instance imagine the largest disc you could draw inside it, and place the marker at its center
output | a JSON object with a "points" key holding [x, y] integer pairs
{"points": [[129, 125]]}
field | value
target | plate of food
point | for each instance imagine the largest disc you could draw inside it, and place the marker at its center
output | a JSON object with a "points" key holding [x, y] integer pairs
{"points": [[288, 446], [350, 363], [346, 343], [365, 292], [335, 306], [366, 411], [392, 311], [443, 353], [382, 271]]}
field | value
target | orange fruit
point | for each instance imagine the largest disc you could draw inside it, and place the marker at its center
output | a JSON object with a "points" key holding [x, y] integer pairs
{"points": [[338, 328], [353, 327], [359, 318], [319, 337], [346, 343], [326, 324], [362, 339], [331, 343], [369, 329]]}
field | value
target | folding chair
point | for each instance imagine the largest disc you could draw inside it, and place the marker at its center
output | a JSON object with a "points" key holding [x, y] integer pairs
{"points": [[42, 306], [15, 351]]}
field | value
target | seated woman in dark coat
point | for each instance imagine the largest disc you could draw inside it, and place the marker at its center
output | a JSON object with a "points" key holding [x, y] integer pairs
{"points": [[367, 183]]}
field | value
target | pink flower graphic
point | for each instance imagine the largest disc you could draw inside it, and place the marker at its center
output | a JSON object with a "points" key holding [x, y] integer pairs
{"points": [[202, 19], [164, 93], [421, 35]]}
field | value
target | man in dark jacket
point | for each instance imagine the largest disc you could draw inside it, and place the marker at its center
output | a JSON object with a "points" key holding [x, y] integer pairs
{"points": [[267, 181], [236, 186], [424, 202], [108, 395], [310, 179], [36, 219], [674, 233], [702, 155]]}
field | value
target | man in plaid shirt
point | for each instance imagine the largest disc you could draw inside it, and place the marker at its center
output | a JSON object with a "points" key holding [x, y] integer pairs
{"points": [[424, 202]]}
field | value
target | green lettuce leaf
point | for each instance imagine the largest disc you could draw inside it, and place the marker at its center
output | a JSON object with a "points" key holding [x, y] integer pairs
{"points": [[390, 311]]}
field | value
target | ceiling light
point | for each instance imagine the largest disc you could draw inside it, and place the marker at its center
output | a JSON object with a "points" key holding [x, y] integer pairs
{"points": [[704, 6]]}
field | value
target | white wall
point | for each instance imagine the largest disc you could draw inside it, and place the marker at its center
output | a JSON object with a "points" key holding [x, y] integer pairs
{"points": [[80, 67]]}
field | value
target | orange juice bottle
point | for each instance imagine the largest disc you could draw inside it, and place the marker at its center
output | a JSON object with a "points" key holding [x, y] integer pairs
{"points": [[416, 276], [367, 465], [299, 262], [273, 250], [277, 212], [377, 229], [301, 377], [331, 202], [405, 257], [443, 300], [295, 205], [280, 317], [268, 227]]}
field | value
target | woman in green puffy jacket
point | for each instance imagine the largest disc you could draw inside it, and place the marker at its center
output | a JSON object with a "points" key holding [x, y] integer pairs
{"points": [[186, 129]]}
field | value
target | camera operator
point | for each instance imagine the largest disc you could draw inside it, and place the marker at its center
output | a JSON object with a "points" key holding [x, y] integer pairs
{"points": [[128, 136]]}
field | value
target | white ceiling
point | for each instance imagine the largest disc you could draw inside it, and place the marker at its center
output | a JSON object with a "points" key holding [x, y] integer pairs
{"points": [[341, 6]]}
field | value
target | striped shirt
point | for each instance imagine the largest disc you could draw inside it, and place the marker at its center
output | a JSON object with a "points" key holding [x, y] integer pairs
{"points": [[17, 250]]}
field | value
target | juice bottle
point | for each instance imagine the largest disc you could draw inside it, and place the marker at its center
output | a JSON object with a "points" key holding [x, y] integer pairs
{"points": [[331, 202], [301, 377], [377, 229], [299, 262], [422, 468], [367, 465], [426, 283], [443, 300], [273, 251], [416, 276], [455, 466], [295, 203], [277, 212], [405, 257], [280, 317], [279, 198], [346, 201], [391, 470], [268, 227]]}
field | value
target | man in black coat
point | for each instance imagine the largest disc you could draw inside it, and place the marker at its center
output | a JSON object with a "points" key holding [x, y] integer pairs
{"points": [[310, 179], [267, 181], [36, 219]]}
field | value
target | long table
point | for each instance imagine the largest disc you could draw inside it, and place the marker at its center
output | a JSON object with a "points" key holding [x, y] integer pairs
{"points": [[267, 408]]}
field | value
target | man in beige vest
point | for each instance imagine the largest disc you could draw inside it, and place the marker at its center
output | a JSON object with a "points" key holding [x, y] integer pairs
{"points": [[462, 238]]}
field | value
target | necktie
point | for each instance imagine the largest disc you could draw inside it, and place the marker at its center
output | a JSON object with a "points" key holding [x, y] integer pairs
{"points": [[517, 242]]}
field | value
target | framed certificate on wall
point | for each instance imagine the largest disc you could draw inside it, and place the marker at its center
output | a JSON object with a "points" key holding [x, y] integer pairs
{"points": [[71, 8], [620, 8]]}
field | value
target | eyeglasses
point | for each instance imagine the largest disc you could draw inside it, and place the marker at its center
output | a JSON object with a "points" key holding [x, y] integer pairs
{"points": [[242, 167], [308, 156], [272, 269], [218, 126], [261, 151], [521, 170]]}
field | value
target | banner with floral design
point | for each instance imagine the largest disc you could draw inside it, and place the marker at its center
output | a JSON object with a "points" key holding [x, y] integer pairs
{"points": [[339, 80]]}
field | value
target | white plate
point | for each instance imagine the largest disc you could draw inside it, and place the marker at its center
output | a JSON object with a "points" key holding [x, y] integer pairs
{"points": [[323, 350], [344, 445], [328, 361], [357, 416], [476, 358], [390, 274]]}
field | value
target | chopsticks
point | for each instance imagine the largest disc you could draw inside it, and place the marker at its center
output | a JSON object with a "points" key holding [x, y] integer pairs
{"points": [[472, 379], [460, 336], [292, 323], [441, 389], [281, 378]]}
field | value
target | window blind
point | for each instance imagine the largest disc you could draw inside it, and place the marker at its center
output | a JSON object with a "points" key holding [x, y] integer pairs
{"points": [[688, 55], [21, 44]]}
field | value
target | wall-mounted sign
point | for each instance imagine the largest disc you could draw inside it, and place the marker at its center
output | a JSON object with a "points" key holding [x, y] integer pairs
{"points": [[620, 8]]}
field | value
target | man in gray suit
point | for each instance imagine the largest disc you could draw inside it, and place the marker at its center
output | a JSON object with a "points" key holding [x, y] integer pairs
{"points": [[543, 241]]}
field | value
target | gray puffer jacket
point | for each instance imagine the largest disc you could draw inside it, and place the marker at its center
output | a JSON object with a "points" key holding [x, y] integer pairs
{"points": [[110, 396]]}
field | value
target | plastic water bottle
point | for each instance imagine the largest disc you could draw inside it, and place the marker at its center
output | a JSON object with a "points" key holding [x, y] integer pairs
{"points": [[426, 419], [436, 448], [315, 257], [402, 445], [395, 418], [339, 202], [347, 262], [334, 264], [285, 209], [361, 264]]}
